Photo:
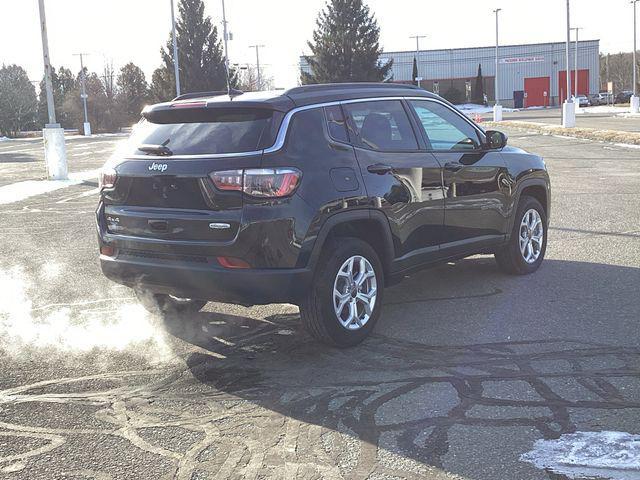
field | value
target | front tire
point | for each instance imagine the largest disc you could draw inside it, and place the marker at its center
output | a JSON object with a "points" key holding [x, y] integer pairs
{"points": [[345, 299], [527, 244], [162, 304]]}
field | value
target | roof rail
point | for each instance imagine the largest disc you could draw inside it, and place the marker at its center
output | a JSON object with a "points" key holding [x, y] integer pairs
{"points": [[216, 93], [335, 86]]}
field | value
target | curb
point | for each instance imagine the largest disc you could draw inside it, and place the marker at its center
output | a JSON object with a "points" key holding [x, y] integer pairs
{"points": [[612, 136]]}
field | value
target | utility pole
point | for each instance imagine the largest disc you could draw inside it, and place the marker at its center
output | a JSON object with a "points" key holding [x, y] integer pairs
{"points": [[55, 153], [259, 79], [226, 48], [176, 62], [568, 108], [635, 100], [497, 108], [575, 85], [83, 94], [418, 37]]}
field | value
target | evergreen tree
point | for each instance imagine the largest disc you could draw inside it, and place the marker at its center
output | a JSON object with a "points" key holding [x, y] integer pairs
{"points": [[414, 74], [345, 45], [18, 101], [133, 92], [62, 82], [201, 58], [478, 91]]}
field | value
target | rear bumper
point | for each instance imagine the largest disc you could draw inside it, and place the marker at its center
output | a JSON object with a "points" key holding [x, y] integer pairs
{"points": [[209, 282]]}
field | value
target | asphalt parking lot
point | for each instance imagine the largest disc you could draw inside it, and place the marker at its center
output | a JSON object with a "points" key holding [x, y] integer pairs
{"points": [[467, 368]]}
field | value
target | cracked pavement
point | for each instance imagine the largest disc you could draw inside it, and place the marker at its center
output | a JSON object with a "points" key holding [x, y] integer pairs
{"points": [[467, 367]]}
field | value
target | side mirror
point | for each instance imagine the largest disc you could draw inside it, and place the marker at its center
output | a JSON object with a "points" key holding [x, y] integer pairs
{"points": [[495, 140]]}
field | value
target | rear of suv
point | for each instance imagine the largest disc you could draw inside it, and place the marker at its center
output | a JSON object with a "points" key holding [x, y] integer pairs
{"points": [[318, 196]]}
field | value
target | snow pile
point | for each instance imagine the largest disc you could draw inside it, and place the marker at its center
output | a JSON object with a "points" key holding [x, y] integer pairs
{"points": [[78, 327], [4, 139], [16, 192], [602, 109], [613, 455], [471, 108]]}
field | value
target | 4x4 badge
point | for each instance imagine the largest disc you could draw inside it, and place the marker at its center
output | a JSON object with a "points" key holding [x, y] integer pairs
{"points": [[160, 167]]}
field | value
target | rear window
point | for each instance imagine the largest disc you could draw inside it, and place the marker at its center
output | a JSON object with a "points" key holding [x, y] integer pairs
{"points": [[207, 131]]}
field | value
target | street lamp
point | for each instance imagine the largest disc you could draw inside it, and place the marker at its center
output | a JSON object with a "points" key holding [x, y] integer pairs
{"points": [[635, 100], [83, 94], [259, 78], [497, 108], [176, 66], [568, 107], [55, 153], [226, 48], [575, 85], [418, 37]]}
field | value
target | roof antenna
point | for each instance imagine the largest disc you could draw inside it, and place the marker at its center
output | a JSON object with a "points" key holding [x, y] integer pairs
{"points": [[226, 50]]}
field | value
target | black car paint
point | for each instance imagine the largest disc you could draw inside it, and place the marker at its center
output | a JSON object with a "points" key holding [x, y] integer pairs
{"points": [[457, 211]]}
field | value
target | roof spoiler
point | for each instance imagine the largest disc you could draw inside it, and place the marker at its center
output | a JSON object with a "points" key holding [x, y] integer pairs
{"points": [[188, 96]]}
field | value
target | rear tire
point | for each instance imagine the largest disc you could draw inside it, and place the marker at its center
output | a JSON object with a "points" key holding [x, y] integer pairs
{"points": [[525, 250], [159, 303], [345, 298]]}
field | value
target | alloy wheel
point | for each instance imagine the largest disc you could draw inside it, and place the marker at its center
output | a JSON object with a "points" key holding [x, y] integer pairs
{"points": [[355, 291], [531, 236]]}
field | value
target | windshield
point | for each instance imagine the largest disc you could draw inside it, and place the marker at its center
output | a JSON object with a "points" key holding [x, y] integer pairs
{"points": [[220, 132]]}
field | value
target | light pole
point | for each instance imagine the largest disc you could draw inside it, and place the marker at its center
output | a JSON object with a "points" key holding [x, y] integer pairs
{"points": [[176, 62], [418, 37], [83, 94], [568, 107], [635, 100], [226, 47], [575, 85], [497, 108], [55, 153], [259, 78]]}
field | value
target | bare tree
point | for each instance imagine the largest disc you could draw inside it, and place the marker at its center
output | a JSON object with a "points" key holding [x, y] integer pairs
{"points": [[248, 79]]}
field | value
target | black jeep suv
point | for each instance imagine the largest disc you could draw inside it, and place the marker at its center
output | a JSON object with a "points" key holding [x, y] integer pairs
{"points": [[319, 196]]}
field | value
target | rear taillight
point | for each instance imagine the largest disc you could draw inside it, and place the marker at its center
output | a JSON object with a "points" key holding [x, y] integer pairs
{"points": [[259, 182], [107, 178], [232, 262]]}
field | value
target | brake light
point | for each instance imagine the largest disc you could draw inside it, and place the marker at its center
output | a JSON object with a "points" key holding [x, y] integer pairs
{"points": [[108, 251], [259, 182], [107, 178], [189, 105]]}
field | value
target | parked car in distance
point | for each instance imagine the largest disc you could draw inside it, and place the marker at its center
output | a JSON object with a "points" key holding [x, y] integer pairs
{"points": [[624, 96], [602, 98], [582, 101], [320, 196]]}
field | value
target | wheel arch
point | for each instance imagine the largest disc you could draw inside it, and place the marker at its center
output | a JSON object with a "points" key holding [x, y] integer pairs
{"points": [[537, 188], [371, 226]]}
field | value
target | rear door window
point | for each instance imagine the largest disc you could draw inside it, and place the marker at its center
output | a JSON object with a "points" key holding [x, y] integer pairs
{"points": [[380, 125], [207, 132]]}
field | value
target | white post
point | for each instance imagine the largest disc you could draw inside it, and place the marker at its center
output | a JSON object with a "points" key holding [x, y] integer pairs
{"points": [[176, 62], [635, 100], [55, 154], [497, 108], [83, 94], [568, 108]]}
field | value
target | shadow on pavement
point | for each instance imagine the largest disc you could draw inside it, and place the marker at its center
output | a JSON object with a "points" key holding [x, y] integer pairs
{"points": [[414, 400]]}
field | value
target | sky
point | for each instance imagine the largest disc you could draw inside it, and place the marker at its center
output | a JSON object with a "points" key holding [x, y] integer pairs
{"points": [[120, 31]]}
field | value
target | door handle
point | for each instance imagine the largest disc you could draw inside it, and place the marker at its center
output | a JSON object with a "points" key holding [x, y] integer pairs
{"points": [[379, 169], [453, 167]]}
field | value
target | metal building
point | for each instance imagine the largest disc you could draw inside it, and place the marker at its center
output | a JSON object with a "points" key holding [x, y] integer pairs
{"points": [[529, 75]]}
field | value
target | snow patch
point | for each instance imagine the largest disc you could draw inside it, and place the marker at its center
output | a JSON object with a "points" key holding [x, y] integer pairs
{"points": [[4, 139], [612, 455], [472, 108], [601, 109], [16, 192]]}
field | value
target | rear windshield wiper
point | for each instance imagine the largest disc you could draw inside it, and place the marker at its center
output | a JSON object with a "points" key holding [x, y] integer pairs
{"points": [[155, 149]]}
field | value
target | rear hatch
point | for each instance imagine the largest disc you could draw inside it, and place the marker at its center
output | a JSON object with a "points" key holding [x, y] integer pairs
{"points": [[164, 185]]}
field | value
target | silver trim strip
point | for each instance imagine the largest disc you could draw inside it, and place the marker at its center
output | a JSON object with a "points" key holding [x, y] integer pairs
{"points": [[284, 128]]}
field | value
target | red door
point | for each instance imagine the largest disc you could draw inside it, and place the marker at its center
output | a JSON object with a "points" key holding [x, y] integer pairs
{"points": [[536, 91], [583, 83]]}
